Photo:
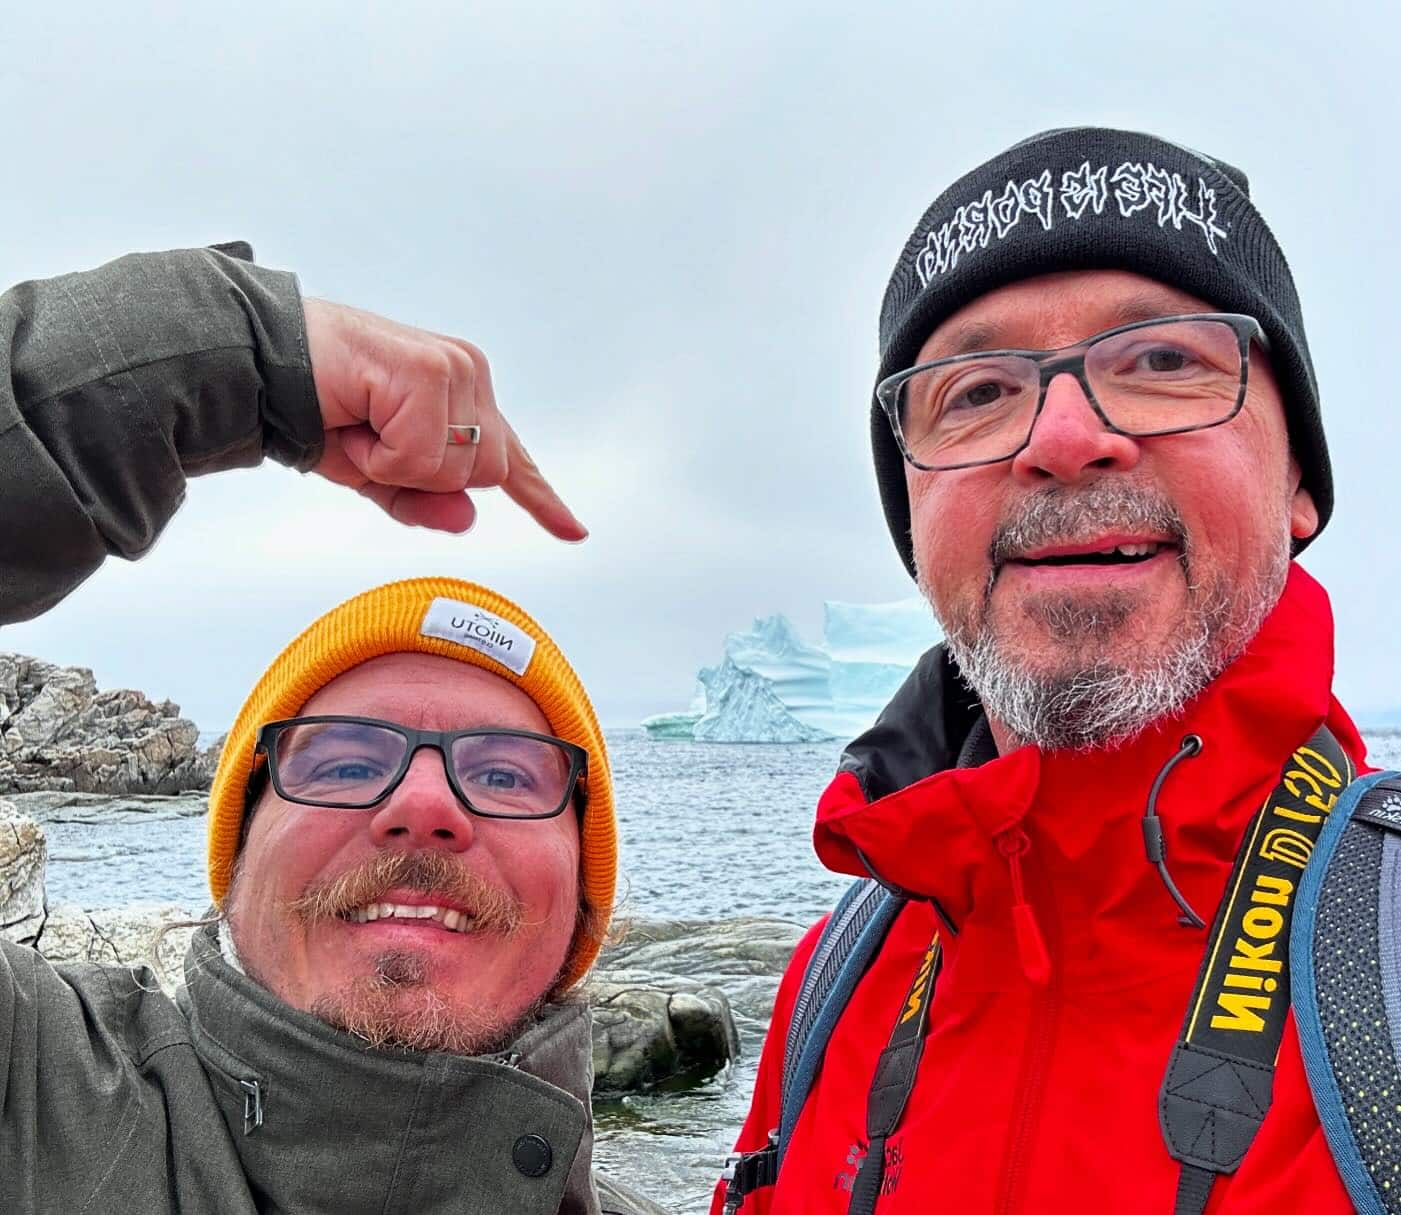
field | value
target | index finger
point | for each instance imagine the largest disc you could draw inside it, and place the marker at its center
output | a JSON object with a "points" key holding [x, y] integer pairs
{"points": [[527, 487]]}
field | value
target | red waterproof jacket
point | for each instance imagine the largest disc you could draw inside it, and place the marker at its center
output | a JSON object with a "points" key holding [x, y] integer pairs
{"points": [[1043, 1096]]}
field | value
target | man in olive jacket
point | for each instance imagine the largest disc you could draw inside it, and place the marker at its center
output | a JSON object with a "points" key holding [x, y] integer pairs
{"points": [[376, 1020]]}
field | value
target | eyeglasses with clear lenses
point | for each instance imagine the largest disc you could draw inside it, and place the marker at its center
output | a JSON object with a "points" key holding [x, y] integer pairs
{"points": [[356, 762], [1158, 377]]}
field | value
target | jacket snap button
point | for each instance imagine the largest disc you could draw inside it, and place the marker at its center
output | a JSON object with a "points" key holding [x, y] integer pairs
{"points": [[532, 1155]]}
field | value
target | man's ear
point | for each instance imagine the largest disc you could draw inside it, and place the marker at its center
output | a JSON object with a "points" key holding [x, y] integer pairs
{"points": [[1303, 514]]}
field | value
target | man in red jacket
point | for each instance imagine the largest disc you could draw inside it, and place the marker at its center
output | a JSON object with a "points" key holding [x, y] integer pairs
{"points": [[1098, 443]]}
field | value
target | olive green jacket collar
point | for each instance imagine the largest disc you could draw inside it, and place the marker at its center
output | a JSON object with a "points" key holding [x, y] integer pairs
{"points": [[321, 1122]]}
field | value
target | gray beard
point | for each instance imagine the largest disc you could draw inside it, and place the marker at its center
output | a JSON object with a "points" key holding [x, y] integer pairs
{"points": [[1087, 701]]}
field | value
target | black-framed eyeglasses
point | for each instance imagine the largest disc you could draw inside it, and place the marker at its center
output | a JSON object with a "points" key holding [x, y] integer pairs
{"points": [[1160, 377], [352, 763]]}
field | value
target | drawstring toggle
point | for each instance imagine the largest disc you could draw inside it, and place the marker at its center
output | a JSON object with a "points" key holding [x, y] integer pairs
{"points": [[1031, 945]]}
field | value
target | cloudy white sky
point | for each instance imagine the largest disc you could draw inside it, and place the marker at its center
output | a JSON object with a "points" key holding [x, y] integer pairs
{"points": [[669, 226]]}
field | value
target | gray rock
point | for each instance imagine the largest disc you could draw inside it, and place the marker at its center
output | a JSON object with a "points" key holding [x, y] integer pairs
{"points": [[634, 1047], [654, 1036], [9, 681], [23, 853], [746, 945], [207, 762], [706, 1036], [660, 1020], [125, 936], [748, 954], [59, 733], [67, 807], [52, 711]]}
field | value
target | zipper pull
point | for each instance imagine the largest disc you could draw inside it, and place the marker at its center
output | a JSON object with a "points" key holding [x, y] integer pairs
{"points": [[1031, 945], [252, 1105]]}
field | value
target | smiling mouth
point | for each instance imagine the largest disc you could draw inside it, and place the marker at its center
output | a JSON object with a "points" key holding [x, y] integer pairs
{"points": [[1118, 554], [446, 917]]}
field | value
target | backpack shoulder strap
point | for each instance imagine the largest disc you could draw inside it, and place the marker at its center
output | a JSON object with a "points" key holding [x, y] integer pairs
{"points": [[844, 951], [849, 943], [1345, 953]]}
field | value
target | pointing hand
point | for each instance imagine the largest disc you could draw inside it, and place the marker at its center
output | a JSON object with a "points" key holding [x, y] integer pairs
{"points": [[388, 395]]}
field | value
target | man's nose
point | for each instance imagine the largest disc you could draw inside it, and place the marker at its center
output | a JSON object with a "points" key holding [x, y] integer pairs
{"points": [[423, 812], [1070, 441]]}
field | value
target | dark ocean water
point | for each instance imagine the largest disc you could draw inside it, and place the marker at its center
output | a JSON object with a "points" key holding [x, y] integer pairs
{"points": [[708, 832]]}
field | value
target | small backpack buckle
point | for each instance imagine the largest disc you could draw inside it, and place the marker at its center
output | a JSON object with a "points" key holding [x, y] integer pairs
{"points": [[746, 1172]]}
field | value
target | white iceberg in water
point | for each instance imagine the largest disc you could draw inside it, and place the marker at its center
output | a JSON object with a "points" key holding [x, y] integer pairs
{"points": [[771, 687]]}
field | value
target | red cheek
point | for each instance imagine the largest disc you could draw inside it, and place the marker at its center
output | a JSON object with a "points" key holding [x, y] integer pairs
{"points": [[952, 517]]}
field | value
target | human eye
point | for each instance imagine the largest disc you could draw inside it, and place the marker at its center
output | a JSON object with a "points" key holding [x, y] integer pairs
{"points": [[978, 390], [1172, 351], [499, 777], [348, 769], [1162, 360]]}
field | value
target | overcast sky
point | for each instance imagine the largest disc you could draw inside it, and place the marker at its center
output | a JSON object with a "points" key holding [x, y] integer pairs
{"points": [[670, 228]]}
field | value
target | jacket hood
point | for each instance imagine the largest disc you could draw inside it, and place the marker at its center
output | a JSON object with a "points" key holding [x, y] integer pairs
{"points": [[1072, 818], [347, 1128]]}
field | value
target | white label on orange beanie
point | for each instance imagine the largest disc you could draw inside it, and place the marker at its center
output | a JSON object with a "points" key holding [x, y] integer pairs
{"points": [[483, 631]]}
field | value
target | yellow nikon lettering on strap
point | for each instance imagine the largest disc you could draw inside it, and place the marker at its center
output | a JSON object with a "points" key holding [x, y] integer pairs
{"points": [[1276, 891], [1287, 846], [1239, 1007], [915, 1001], [1242, 992], [1254, 958]]}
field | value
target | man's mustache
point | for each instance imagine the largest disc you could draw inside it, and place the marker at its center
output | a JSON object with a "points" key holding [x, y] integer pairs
{"points": [[440, 874], [1066, 516]]}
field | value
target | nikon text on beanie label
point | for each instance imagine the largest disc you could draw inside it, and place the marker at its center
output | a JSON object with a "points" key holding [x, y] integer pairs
{"points": [[480, 630], [1135, 187]]}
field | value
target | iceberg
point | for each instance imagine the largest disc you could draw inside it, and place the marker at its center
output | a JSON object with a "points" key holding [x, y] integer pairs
{"points": [[672, 725], [772, 687]]}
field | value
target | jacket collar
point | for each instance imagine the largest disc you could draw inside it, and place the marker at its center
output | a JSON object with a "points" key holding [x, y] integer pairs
{"points": [[940, 831], [351, 1129]]}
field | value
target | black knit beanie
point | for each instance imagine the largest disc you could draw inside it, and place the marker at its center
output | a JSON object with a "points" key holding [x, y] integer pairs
{"points": [[1089, 198]]}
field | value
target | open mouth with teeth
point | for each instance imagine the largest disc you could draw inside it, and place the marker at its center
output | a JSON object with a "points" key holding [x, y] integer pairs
{"points": [[445, 917], [1118, 554]]}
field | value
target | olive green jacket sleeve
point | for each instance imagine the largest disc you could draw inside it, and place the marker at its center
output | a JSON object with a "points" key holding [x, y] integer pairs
{"points": [[117, 384]]}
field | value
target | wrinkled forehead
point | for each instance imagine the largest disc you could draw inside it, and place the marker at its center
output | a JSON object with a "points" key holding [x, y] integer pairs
{"points": [[1054, 310], [428, 692]]}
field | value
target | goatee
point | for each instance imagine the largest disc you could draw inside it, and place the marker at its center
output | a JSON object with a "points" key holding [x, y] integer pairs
{"points": [[1074, 697]]}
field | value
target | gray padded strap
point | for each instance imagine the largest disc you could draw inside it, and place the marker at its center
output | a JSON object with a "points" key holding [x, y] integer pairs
{"points": [[1389, 936]]}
